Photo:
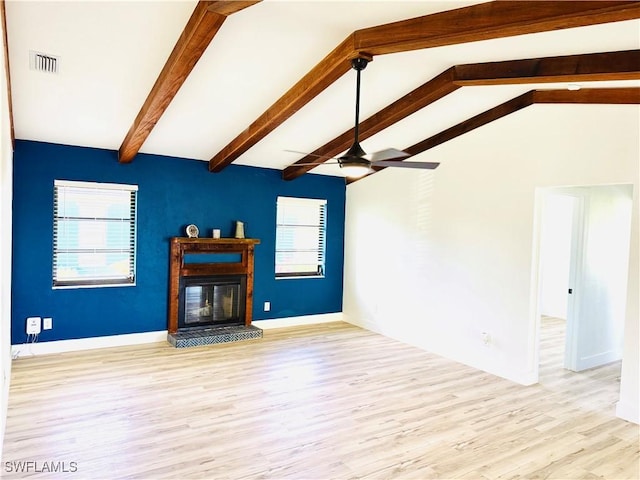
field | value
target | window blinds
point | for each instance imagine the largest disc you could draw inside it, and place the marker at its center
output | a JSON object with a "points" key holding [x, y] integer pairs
{"points": [[94, 234], [300, 237]]}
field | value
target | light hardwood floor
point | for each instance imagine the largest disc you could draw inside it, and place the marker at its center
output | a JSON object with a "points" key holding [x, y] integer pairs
{"points": [[329, 401]]}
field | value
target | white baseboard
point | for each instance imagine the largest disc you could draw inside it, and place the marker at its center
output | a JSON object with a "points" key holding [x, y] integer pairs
{"points": [[59, 346], [522, 378], [599, 359], [295, 321], [628, 411]]}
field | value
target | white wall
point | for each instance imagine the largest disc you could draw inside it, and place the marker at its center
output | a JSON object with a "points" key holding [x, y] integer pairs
{"points": [[6, 179], [437, 258]]}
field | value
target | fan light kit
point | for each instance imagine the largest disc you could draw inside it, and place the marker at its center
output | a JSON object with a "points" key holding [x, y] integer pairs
{"points": [[354, 169], [355, 162]]}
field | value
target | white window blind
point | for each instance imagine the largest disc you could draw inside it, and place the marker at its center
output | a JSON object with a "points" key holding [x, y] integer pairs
{"points": [[94, 234], [300, 237]]}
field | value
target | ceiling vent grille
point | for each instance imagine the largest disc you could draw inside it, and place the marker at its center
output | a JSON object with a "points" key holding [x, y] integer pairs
{"points": [[43, 62]]}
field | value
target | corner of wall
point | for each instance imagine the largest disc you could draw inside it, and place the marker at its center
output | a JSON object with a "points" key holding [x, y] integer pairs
{"points": [[6, 160], [629, 411], [5, 280], [6, 195]]}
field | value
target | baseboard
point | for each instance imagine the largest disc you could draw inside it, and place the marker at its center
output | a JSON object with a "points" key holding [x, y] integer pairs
{"points": [[301, 320], [599, 359], [60, 346], [628, 411], [522, 378]]}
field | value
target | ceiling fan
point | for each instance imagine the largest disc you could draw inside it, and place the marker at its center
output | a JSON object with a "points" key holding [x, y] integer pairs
{"points": [[356, 162]]}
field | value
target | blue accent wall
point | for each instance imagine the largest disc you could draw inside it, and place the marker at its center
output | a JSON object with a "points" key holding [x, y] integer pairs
{"points": [[173, 192]]}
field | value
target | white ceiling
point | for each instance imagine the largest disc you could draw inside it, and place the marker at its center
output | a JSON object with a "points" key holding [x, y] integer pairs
{"points": [[111, 53]]}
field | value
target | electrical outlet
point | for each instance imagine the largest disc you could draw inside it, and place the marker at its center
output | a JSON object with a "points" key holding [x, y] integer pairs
{"points": [[486, 338], [33, 325], [47, 323], [267, 306]]}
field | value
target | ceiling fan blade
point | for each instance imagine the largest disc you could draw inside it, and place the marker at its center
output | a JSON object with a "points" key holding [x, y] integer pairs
{"points": [[388, 154], [400, 163], [308, 155], [317, 164]]}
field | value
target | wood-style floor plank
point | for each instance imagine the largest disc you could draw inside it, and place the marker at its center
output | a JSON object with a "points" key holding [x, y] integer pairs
{"points": [[328, 401]]}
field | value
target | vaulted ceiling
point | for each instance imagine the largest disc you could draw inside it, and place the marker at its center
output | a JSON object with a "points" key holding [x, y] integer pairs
{"points": [[246, 82]]}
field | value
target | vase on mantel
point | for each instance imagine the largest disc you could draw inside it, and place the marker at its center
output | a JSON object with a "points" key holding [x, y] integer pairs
{"points": [[239, 229]]}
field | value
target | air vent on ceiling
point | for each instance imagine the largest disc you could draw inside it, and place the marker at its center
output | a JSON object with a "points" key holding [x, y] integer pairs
{"points": [[43, 62]]}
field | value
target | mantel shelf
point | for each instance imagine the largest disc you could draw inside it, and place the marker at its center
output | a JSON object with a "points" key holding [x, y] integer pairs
{"points": [[214, 241]]}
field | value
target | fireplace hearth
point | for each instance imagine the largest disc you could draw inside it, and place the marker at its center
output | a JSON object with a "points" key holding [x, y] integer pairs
{"points": [[211, 291]]}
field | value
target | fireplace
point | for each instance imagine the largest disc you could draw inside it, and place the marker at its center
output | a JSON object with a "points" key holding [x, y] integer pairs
{"points": [[210, 291], [211, 301]]}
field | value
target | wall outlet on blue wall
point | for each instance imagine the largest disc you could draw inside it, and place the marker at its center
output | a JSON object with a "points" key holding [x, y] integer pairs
{"points": [[33, 325]]}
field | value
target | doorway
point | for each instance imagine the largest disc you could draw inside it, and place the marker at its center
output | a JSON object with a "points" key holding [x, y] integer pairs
{"points": [[560, 217], [583, 266]]}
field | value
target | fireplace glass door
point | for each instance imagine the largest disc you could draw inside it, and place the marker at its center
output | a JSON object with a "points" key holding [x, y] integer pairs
{"points": [[207, 302]]}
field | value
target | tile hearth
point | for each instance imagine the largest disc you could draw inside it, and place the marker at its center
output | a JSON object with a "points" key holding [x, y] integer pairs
{"points": [[210, 336]]}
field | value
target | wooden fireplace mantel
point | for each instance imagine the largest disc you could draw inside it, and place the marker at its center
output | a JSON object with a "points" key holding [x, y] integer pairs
{"points": [[181, 246]]}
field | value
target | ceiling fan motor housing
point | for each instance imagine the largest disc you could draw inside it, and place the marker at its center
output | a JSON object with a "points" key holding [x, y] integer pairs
{"points": [[348, 160], [359, 63], [355, 151]]}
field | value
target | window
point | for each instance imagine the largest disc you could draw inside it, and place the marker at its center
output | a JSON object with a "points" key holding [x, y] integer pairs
{"points": [[94, 234], [300, 237]]}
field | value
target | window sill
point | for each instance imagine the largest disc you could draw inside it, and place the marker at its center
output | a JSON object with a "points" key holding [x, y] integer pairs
{"points": [[104, 285], [298, 277]]}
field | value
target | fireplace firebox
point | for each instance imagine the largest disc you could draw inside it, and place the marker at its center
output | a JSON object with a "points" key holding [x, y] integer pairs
{"points": [[212, 301]]}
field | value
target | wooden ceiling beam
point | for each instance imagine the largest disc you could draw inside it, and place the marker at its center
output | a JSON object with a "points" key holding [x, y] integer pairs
{"points": [[491, 115], [608, 96], [623, 65], [7, 71], [489, 20], [229, 7], [203, 25], [626, 95], [620, 65], [469, 24]]}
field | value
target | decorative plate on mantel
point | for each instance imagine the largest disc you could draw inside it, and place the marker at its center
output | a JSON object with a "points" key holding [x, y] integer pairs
{"points": [[192, 231]]}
